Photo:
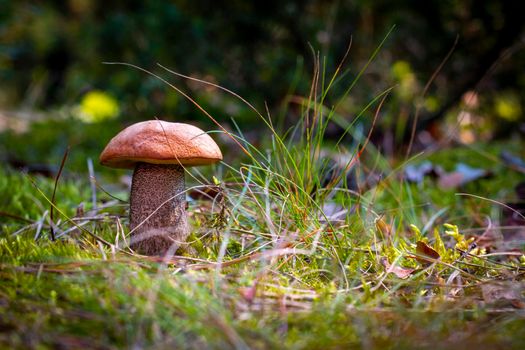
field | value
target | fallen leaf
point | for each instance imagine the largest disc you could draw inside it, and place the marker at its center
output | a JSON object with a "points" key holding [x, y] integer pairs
{"points": [[401, 272], [451, 180], [248, 293], [426, 254], [462, 175], [383, 227]]}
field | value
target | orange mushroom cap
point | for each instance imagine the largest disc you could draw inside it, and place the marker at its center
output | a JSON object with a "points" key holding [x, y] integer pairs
{"points": [[160, 142]]}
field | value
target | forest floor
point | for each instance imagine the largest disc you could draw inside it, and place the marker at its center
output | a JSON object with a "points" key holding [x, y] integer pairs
{"points": [[290, 249]]}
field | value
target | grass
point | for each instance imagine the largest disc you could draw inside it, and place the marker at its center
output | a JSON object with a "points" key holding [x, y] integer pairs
{"points": [[77, 293], [268, 264]]}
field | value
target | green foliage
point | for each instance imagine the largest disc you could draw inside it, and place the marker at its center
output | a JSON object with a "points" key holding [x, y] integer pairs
{"points": [[52, 54], [19, 196], [49, 139]]}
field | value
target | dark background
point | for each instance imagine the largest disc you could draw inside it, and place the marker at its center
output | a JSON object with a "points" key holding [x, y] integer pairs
{"points": [[51, 55]]}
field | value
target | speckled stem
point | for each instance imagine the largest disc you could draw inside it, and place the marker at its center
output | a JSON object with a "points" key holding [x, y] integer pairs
{"points": [[154, 184]]}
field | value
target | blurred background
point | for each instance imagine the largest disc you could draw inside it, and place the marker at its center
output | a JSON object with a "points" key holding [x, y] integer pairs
{"points": [[459, 64]]}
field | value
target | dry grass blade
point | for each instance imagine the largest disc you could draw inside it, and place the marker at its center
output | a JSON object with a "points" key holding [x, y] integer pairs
{"points": [[99, 239], [92, 182], [251, 257], [493, 201], [51, 218], [189, 99], [109, 194], [425, 90]]}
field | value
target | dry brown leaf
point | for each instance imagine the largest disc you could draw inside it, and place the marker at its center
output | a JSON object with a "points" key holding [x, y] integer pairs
{"points": [[248, 293], [383, 227], [426, 254], [399, 271], [462, 175], [451, 180]]}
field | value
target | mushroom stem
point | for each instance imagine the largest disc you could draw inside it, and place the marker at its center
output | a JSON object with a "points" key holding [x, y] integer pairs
{"points": [[158, 189]]}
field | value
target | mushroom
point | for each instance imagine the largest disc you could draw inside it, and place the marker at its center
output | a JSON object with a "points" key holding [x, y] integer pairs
{"points": [[158, 151]]}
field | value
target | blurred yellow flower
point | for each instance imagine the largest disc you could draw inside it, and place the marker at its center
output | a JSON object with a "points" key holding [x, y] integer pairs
{"points": [[97, 106], [508, 106], [405, 77], [431, 103], [401, 70]]}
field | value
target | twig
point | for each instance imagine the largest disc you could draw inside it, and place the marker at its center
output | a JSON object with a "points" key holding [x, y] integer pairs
{"points": [[16, 217]]}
